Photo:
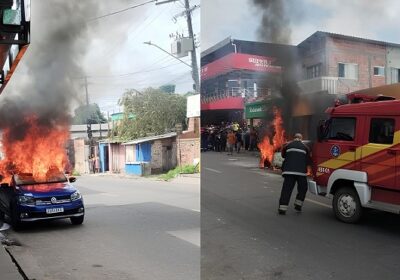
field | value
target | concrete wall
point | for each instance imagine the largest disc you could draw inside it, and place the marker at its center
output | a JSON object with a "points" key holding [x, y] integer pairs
{"points": [[81, 155], [392, 61]]}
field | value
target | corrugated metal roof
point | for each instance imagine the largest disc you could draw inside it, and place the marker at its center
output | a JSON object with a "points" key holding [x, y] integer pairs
{"points": [[150, 138]]}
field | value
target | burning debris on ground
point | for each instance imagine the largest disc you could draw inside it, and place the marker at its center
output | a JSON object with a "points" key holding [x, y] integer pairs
{"points": [[270, 145]]}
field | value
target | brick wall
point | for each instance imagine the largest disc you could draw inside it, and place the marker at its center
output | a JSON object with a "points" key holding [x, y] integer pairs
{"points": [[156, 156], [366, 55], [190, 150], [163, 155], [313, 52]]}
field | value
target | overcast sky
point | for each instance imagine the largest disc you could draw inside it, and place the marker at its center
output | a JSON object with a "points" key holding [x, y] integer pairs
{"points": [[113, 54], [241, 19]]}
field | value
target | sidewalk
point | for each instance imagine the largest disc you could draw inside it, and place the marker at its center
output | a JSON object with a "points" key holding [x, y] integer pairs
{"points": [[8, 270]]}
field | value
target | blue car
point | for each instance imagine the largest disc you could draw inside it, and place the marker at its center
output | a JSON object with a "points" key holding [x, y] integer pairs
{"points": [[28, 199]]}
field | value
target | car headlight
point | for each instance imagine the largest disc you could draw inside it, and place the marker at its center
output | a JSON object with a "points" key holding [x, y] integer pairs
{"points": [[26, 200], [75, 196]]}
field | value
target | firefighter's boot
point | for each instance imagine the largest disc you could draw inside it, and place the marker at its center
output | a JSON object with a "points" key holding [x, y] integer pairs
{"points": [[298, 205]]}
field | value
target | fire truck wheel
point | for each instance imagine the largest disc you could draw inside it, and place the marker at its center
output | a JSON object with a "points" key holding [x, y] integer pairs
{"points": [[347, 206]]}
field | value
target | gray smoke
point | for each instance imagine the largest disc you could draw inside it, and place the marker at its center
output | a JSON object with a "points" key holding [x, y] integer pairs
{"points": [[43, 84], [275, 28], [275, 22]]}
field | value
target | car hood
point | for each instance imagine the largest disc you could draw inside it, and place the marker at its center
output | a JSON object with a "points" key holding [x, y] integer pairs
{"points": [[48, 189]]}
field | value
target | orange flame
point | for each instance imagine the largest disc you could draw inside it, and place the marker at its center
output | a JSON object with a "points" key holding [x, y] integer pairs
{"points": [[268, 147], [40, 149]]}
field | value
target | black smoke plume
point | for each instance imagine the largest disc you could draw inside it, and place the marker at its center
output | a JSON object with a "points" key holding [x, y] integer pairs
{"points": [[44, 83], [275, 28]]}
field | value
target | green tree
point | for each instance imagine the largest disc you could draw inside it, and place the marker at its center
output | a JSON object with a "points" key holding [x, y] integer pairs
{"points": [[154, 111], [168, 88], [88, 115]]}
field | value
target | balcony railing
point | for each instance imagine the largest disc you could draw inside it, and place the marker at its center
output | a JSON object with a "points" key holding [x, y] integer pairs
{"points": [[329, 84], [247, 93]]}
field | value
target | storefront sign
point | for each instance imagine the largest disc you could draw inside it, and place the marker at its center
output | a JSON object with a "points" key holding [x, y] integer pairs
{"points": [[256, 110], [193, 106], [239, 61]]}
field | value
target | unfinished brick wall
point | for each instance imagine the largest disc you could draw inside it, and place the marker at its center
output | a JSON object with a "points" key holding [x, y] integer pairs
{"points": [[156, 156], [366, 55], [189, 150]]}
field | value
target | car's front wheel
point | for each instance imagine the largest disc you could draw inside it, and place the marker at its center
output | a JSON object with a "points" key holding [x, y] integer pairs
{"points": [[15, 220], [77, 220], [2, 216]]}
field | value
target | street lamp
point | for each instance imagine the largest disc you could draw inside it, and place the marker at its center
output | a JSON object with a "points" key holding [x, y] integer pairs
{"points": [[152, 44]]}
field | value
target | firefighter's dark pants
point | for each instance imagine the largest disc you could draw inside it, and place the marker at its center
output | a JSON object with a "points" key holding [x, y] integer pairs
{"points": [[288, 185]]}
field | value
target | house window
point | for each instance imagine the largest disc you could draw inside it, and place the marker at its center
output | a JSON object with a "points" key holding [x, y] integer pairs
{"points": [[395, 75], [314, 71], [348, 71], [379, 71], [381, 131]]}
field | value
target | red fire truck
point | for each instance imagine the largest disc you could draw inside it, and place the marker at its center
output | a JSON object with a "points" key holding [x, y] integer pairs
{"points": [[356, 159]]}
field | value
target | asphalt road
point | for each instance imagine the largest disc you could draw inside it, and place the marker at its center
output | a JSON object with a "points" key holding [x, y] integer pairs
{"points": [[133, 229], [244, 238]]}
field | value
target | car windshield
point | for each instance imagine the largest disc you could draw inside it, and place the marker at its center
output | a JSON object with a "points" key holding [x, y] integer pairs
{"points": [[52, 176]]}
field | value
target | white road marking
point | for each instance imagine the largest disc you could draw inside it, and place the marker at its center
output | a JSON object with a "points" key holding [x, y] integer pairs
{"points": [[213, 170], [189, 235], [318, 203], [195, 210]]}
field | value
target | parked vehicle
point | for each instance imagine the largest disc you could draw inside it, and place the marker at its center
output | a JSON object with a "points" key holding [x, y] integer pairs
{"points": [[356, 159], [27, 199]]}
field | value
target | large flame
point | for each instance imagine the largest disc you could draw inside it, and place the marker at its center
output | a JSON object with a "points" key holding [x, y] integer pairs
{"points": [[41, 148], [269, 146]]}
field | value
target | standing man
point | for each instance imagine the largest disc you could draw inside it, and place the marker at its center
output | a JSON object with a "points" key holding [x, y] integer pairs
{"points": [[231, 141], [239, 140], [294, 169]]}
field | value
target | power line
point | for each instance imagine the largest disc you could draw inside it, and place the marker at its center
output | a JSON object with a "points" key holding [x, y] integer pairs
{"points": [[123, 10], [133, 73]]}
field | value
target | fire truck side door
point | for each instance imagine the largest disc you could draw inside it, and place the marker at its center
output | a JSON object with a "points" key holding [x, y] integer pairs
{"points": [[338, 149], [377, 156]]}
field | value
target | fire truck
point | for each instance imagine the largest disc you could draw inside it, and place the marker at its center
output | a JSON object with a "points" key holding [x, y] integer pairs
{"points": [[356, 159]]}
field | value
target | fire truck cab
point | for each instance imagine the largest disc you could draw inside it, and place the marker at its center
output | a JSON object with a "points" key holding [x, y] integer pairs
{"points": [[356, 159]]}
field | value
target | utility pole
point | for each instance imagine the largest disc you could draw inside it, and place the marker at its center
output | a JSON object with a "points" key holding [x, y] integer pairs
{"points": [[89, 126], [194, 66], [195, 69]]}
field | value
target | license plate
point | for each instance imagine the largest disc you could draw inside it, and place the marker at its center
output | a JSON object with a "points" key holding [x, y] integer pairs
{"points": [[54, 210]]}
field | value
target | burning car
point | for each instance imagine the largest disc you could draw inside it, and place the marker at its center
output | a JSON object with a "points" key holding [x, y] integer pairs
{"points": [[28, 198]]}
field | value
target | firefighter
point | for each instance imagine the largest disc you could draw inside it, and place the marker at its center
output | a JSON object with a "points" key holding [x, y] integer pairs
{"points": [[294, 169]]}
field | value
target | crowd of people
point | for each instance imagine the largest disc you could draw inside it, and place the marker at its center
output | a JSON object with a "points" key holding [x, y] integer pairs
{"points": [[229, 137]]}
